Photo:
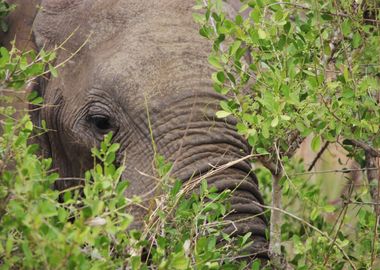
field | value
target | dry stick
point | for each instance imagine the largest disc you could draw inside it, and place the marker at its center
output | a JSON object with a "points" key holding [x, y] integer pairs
{"points": [[375, 239], [318, 156], [277, 260], [338, 171], [342, 215], [363, 203], [366, 147], [276, 222], [372, 176]]}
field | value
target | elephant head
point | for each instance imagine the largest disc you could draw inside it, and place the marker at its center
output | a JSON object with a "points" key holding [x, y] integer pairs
{"points": [[141, 73]]}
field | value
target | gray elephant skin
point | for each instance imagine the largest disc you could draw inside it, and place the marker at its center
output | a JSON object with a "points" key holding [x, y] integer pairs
{"points": [[141, 58]]}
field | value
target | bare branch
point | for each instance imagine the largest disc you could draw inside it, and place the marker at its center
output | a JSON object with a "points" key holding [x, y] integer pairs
{"points": [[338, 171], [275, 224], [294, 142], [318, 156], [367, 148]]}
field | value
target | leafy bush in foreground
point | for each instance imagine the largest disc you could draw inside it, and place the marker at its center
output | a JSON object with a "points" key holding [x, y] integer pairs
{"points": [[89, 231]]}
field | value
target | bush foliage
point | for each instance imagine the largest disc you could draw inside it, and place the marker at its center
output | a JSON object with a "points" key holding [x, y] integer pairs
{"points": [[298, 69]]}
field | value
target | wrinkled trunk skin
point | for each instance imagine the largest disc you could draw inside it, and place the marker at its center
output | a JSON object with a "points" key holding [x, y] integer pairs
{"points": [[197, 142], [141, 56]]}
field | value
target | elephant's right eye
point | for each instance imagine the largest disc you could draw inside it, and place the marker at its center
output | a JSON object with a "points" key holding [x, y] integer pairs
{"points": [[101, 122]]}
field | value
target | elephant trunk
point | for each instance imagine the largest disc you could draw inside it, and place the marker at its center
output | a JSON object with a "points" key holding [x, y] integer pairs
{"points": [[200, 145], [246, 215]]}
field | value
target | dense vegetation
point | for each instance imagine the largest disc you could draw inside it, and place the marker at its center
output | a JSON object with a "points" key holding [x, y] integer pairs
{"points": [[291, 70], [299, 69]]}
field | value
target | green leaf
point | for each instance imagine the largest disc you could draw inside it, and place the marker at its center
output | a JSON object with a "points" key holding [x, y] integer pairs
{"points": [[53, 71], [36, 69], [262, 33], [261, 151], [234, 47], [265, 131], [356, 40], [329, 208], [346, 74], [256, 265], [204, 31], [214, 61], [222, 114], [274, 122], [198, 18], [316, 143], [314, 214], [225, 106], [9, 245], [308, 72], [218, 77], [37, 100], [4, 56], [114, 147], [285, 117], [179, 262], [29, 126], [256, 15], [346, 27], [52, 56], [121, 187], [47, 209]]}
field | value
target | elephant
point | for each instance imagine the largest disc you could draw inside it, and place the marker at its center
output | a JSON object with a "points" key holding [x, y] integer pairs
{"points": [[141, 73]]}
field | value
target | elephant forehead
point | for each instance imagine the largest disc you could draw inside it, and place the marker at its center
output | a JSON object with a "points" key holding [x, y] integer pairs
{"points": [[149, 78], [58, 19], [151, 62]]}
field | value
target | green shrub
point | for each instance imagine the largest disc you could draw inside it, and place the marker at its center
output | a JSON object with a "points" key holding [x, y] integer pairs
{"points": [[297, 69]]}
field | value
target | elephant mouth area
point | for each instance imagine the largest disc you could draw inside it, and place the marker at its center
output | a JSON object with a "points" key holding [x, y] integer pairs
{"points": [[233, 175], [246, 214]]}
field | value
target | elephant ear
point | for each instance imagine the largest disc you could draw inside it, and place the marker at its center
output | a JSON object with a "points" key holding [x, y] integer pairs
{"points": [[59, 19], [20, 24]]}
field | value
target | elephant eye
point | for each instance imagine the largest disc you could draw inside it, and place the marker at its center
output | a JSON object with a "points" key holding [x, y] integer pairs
{"points": [[101, 122]]}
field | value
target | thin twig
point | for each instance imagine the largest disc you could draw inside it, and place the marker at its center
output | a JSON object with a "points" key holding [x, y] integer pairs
{"points": [[374, 240], [342, 215], [318, 156], [375, 193], [338, 171]]}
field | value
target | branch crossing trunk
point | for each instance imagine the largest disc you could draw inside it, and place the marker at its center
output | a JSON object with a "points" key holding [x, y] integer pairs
{"points": [[277, 259], [373, 179]]}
